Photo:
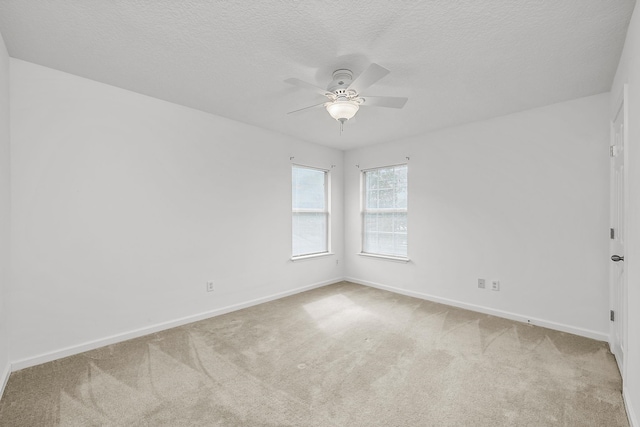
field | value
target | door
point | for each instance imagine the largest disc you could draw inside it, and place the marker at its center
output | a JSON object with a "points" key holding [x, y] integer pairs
{"points": [[618, 297]]}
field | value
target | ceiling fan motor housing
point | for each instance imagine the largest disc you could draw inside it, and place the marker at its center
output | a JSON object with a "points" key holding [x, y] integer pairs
{"points": [[341, 80]]}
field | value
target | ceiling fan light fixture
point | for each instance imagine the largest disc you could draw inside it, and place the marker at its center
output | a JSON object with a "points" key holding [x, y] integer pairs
{"points": [[342, 109]]}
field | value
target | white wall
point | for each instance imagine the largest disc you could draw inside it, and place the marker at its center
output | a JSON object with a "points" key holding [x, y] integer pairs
{"points": [[521, 198], [5, 211], [125, 205], [629, 72]]}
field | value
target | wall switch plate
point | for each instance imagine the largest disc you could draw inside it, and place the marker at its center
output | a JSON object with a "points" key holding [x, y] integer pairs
{"points": [[209, 286], [481, 283], [495, 285]]}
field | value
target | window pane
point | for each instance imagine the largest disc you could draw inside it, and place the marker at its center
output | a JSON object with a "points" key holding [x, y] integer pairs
{"points": [[309, 233], [401, 198], [372, 180], [386, 199], [308, 188], [385, 234], [400, 243], [385, 211], [372, 198], [385, 243], [370, 243], [400, 222]]}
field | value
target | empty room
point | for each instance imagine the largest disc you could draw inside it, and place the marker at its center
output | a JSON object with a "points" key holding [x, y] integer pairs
{"points": [[322, 213]]}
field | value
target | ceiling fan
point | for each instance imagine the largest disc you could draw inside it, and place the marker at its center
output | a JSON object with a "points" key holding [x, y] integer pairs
{"points": [[344, 93]]}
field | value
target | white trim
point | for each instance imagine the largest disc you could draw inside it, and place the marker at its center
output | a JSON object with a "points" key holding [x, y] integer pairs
{"points": [[318, 168], [4, 378], [622, 313], [364, 210], [631, 413], [92, 345], [386, 166], [310, 256], [326, 211], [388, 257], [600, 336]]}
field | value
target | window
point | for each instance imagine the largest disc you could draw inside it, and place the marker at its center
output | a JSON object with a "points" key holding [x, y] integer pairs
{"points": [[310, 212], [384, 216]]}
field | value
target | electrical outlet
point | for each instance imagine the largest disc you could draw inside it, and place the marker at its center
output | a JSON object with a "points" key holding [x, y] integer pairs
{"points": [[209, 286], [495, 285], [481, 283]]}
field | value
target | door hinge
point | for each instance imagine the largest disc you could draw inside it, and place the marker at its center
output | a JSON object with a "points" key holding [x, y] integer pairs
{"points": [[612, 151], [612, 315], [612, 233]]}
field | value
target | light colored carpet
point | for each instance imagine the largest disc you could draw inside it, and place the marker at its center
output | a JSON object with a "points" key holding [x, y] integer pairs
{"points": [[342, 355]]}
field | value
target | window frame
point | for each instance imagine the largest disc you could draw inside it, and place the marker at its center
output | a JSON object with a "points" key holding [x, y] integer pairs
{"points": [[326, 212], [364, 210]]}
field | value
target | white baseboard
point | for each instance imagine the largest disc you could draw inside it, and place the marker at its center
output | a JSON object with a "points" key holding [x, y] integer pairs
{"points": [[92, 345], [4, 378], [486, 310], [631, 413]]}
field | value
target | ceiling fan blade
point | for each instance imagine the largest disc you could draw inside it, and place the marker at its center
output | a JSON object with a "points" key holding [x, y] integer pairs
{"points": [[368, 77], [306, 108], [385, 101], [305, 85]]}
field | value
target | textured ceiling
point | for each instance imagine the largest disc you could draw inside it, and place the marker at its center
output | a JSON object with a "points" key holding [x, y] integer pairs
{"points": [[457, 61]]}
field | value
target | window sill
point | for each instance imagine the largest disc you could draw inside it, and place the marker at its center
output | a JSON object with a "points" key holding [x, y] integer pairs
{"points": [[303, 257], [387, 257]]}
